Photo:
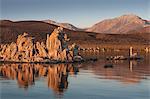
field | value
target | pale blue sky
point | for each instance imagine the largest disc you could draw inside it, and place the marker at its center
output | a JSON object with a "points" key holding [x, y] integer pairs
{"points": [[81, 13]]}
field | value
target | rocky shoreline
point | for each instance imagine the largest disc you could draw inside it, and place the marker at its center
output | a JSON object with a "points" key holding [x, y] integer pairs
{"points": [[48, 62]]}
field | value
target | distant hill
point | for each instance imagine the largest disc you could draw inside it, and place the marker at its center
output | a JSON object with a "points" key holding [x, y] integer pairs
{"points": [[9, 30], [64, 25], [122, 24]]}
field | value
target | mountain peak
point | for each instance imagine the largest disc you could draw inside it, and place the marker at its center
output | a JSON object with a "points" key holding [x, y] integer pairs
{"points": [[130, 17], [121, 24]]}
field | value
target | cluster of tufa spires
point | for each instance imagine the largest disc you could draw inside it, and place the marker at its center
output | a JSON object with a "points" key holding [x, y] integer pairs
{"points": [[56, 49]]}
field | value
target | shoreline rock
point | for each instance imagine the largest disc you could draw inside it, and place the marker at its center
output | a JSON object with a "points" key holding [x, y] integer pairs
{"points": [[50, 62]]}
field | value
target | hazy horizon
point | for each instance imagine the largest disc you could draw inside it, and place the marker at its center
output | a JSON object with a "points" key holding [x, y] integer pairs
{"points": [[80, 13]]}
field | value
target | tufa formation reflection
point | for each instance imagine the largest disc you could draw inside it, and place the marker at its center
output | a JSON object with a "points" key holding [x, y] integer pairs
{"points": [[56, 75], [27, 74]]}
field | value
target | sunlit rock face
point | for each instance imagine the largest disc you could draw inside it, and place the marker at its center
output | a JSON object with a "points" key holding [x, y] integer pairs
{"points": [[26, 50], [57, 45]]}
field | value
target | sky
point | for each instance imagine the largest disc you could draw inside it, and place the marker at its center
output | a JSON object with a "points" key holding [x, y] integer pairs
{"points": [[81, 13]]}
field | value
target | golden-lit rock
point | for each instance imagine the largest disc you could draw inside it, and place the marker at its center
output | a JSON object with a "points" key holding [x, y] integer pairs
{"points": [[41, 49], [25, 50]]}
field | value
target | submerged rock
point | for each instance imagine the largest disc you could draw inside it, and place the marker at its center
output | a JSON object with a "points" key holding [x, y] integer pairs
{"points": [[56, 49]]}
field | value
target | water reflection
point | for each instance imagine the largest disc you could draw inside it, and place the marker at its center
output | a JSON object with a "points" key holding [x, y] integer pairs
{"points": [[26, 74], [56, 75], [127, 72]]}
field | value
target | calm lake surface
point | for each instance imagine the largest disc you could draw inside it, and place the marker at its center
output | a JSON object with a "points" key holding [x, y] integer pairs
{"points": [[90, 80]]}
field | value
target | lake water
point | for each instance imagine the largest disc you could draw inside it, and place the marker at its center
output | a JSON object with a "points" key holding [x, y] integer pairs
{"points": [[90, 80]]}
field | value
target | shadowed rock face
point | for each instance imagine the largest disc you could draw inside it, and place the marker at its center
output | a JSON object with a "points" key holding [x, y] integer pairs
{"points": [[26, 50]]}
